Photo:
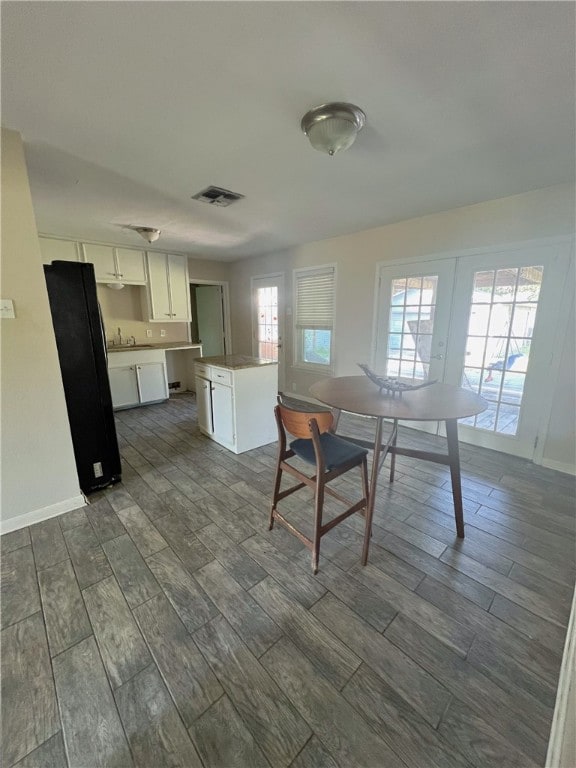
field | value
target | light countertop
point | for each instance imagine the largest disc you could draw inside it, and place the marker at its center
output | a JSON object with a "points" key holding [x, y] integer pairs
{"points": [[167, 346], [234, 362]]}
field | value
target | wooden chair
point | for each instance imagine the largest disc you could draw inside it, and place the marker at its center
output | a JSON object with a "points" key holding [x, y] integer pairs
{"points": [[331, 456]]}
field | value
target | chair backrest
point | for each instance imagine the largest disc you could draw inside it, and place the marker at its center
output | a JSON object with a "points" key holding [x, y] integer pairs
{"points": [[297, 423]]}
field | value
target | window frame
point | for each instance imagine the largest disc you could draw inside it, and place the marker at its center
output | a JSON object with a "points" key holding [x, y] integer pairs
{"points": [[298, 331]]}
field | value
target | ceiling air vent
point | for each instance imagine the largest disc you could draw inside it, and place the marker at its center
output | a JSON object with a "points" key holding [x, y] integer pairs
{"points": [[217, 196]]}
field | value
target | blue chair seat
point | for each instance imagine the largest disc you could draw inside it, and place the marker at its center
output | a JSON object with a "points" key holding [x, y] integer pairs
{"points": [[336, 450]]}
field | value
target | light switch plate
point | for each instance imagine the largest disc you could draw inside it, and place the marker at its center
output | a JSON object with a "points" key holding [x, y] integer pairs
{"points": [[7, 308], [162, 332]]}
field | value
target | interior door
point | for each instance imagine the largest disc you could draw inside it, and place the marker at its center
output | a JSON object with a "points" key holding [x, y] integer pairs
{"points": [[210, 313], [505, 313], [268, 320]]}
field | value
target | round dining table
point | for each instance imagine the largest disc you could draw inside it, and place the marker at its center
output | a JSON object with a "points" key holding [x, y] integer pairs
{"points": [[436, 402]]}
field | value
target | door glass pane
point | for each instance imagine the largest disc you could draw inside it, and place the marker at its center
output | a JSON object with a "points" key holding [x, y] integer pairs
{"points": [[410, 327], [267, 322], [502, 317]]}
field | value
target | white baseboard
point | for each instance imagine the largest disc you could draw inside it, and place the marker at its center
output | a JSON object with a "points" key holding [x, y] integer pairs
{"points": [[559, 466], [44, 513]]}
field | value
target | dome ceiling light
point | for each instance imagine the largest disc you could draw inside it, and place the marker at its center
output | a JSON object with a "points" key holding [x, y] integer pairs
{"points": [[333, 127], [148, 233]]}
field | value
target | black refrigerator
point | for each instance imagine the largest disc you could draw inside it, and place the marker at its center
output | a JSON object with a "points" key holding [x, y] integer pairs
{"points": [[81, 347]]}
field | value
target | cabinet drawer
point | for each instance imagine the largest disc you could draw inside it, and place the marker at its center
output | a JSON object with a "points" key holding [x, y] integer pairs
{"points": [[221, 376], [201, 370]]}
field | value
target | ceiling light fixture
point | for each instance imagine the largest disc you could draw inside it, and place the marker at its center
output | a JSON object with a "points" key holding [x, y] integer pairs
{"points": [[333, 127], [115, 286], [148, 233]]}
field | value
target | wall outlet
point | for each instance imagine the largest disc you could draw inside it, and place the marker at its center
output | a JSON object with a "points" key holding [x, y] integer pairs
{"points": [[149, 332], [162, 332], [293, 386]]}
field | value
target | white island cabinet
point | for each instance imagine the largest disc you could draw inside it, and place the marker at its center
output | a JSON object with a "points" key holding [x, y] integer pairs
{"points": [[236, 395]]}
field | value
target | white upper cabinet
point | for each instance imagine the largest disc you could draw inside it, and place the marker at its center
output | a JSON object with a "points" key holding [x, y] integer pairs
{"points": [[168, 297], [115, 265], [58, 250], [179, 287], [131, 265]]}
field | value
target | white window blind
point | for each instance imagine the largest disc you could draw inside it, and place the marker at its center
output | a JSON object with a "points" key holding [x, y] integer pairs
{"points": [[315, 298]]}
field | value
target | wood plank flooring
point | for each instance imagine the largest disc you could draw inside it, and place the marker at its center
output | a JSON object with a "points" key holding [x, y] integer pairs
{"points": [[164, 625]]}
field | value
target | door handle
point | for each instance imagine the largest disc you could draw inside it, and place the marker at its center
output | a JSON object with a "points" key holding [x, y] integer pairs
{"points": [[439, 356]]}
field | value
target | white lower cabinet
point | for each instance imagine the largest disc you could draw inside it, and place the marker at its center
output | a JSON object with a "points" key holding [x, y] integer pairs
{"points": [[223, 414], [152, 382], [123, 386], [204, 405], [236, 404], [136, 384]]}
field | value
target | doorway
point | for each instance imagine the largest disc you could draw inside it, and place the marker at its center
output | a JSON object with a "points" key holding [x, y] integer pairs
{"points": [[486, 323], [268, 320], [209, 325]]}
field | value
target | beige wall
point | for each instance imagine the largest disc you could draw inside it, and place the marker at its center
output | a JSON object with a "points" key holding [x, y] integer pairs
{"points": [[38, 467], [123, 309], [542, 213], [202, 269]]}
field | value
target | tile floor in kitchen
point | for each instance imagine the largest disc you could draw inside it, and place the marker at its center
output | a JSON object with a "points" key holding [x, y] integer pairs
{"points": [[163, 625]]}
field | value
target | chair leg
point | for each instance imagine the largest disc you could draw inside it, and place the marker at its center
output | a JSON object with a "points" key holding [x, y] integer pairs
{"points": [[277, 483], [318, 505]]}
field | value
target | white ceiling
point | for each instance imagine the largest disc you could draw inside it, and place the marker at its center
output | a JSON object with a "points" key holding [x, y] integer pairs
{"points": [[128, 109]]}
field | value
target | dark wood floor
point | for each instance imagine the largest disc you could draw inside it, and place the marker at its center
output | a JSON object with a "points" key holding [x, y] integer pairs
{"points": [[163, 625]]}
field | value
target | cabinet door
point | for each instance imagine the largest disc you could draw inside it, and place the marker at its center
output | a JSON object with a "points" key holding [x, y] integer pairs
{"points": [[58, 250], [123, 386], [223, 413], [179, 288], [102, 256], [131, 268], [204, 405], [152, 383], [158, 287]]}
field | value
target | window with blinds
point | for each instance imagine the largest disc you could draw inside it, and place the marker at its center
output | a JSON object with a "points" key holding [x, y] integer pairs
{"points": [[314, 316]]}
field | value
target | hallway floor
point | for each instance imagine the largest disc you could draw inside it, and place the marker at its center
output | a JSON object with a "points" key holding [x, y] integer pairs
{"points": [[163, 625]]}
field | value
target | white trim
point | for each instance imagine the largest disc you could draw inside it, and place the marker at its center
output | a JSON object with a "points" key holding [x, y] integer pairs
{"points": [[559, 466], [83, 240], [278, 280], [560, 738], [296, 362], [481, 250], [44, 513], [561, 330], [226, 295]]}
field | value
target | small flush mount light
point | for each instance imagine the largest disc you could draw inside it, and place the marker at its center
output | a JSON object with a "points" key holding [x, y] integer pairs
{"points": [[148, 233], [333, 127], [115, 286]]}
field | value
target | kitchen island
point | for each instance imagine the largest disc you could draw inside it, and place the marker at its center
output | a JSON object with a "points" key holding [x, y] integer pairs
{"points": [[236, 395]]}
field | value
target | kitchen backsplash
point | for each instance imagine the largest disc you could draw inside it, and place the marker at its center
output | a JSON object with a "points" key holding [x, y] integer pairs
{"points": [[123, 309]]}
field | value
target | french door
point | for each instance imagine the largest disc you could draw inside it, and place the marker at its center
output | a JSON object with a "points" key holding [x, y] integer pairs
{"points": [[268, 320], [486, 323], [414, 316]]}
